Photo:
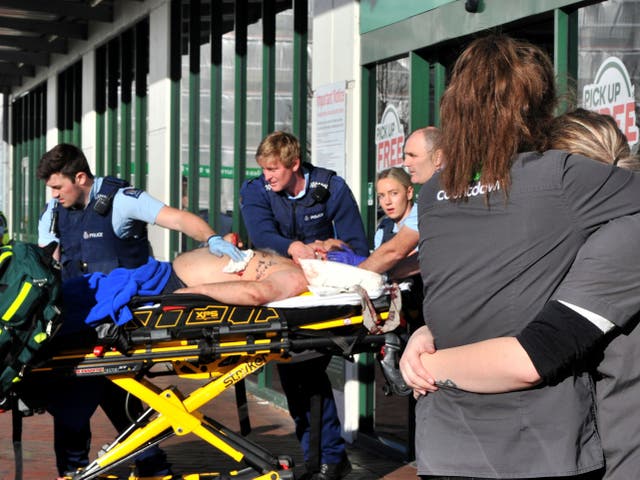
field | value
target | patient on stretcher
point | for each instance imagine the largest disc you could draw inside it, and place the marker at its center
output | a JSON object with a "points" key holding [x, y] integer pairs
{"points": [[263, 277], [266, 277]]}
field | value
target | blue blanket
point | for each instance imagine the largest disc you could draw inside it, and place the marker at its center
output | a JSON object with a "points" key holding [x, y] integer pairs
{"points": [[114, 291]]}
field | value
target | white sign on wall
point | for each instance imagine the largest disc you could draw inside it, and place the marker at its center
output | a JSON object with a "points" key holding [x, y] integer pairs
{"points": [[389, 140], [329, 132], [612, 93]]}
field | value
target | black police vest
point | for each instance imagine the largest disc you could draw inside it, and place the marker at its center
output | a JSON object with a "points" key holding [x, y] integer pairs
{"points": [[88, 242], [305, 219], [386, 225]]}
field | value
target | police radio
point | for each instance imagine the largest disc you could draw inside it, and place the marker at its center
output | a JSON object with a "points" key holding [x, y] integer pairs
{"points": [[320, 194]]}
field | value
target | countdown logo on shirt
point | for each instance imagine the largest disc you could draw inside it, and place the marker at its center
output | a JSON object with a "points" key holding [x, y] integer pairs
{"points": [[472, 191]]}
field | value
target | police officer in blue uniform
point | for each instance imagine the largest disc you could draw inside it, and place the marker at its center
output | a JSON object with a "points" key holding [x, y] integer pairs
{"points": [[101, 224], [289, 207]]}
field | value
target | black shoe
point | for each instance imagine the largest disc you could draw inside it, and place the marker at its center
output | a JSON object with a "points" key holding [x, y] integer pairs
{"points": [[333, 471]]}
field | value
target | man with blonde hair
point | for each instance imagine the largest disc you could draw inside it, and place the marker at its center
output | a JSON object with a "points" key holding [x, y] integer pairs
{"points": [[291, 208]]}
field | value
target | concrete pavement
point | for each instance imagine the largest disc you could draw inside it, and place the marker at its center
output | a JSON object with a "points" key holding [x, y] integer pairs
{"points": [[271, 427]]}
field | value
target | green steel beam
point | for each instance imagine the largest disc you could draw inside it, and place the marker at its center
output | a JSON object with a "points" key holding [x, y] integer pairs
{"points": [[240, 111], [112, 141], [140, 129], [565, 57], [419, 92], [113, 57], [76, 109], [439, 84], [367, 149], [125, 141], [100, 106], [126, 81], [215, 125], [265, 377], [175, 72], [194, 111], [15, 132], [100, 144], [41, 140], [31, 196], [366, 386], [300, 61], [268, 66]]}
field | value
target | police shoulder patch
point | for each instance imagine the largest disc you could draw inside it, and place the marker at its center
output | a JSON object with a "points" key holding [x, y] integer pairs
{"points": [[132, 192]]}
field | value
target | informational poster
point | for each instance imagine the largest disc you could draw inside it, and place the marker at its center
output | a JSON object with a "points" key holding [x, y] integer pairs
{"points": [[389, 139], [329, 132], [613, 93]]}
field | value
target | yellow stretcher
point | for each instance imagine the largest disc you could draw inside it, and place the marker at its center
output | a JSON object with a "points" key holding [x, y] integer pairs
{"points": [[224, 344]]}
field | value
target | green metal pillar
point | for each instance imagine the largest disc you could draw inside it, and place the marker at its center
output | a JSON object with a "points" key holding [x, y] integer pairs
{"points": [[300, 61], [565, 56], [418, 92], [367, 209], [215, 125], [268, 67], [113, 74], [175, 73], [140, 135], [439, 85], [76, 104], [100, 107], [126, 80], [240, 110], [194, 111]]}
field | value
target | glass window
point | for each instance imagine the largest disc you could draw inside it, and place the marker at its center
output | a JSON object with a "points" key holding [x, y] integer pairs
{"points": [[609, 62], [392, 112]]}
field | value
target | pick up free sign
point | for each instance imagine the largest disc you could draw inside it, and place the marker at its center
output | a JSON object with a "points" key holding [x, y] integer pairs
{"points": [[612, 93]]}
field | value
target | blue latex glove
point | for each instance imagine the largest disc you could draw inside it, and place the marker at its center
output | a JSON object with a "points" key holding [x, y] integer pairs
{"points": [[219, 246], [346, 255]]}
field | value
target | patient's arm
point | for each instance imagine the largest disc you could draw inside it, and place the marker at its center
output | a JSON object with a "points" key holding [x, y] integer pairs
{"points": [[276, 286]]}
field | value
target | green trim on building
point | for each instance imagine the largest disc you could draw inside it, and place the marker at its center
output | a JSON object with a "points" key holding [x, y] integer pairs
{"points": [[448, 22], [380, 13], [240, 111]]}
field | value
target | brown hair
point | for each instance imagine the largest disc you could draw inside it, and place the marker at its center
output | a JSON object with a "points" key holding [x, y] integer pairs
{"points": [[279, 144], [591, 134], [65, 159], [499, 102]]}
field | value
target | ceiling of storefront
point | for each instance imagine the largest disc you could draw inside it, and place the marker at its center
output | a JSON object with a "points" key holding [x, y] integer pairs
{"points": [[34, 31]]}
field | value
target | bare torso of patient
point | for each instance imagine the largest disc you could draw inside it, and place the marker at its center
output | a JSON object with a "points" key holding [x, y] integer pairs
{"points": [[198, 267]]}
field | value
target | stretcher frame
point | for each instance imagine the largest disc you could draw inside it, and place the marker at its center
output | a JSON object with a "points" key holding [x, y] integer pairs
{"points": [[222, 344]]}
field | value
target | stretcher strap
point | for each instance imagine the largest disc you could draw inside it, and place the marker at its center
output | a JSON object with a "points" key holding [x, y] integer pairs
{"points": [[371, 320]]}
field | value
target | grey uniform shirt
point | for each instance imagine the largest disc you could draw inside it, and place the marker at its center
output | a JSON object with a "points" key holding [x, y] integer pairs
{"points": [[605, 279], [488, 270]]}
